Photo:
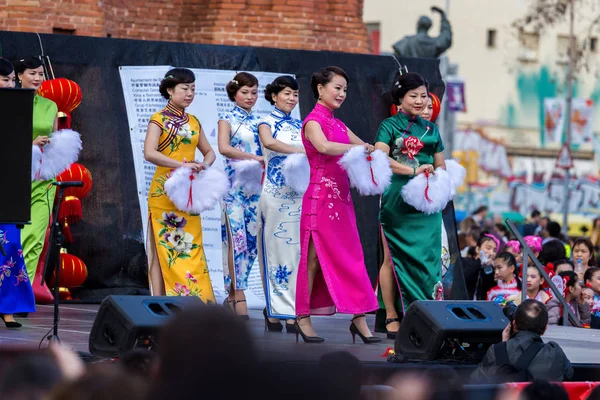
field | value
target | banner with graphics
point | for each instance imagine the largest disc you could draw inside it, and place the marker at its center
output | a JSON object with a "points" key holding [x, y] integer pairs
{"points": [[142, 99]]}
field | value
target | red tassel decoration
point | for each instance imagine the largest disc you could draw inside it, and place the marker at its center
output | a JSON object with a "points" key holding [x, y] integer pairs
{"points": [[70, 210], [370, 159], [191, 196], [66, 230], [427, 187]]}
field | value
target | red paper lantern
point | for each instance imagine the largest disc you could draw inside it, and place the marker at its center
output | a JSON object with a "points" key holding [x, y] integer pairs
{"points": [[437, 105], [73, 271], [77, 172], [64, 92]]}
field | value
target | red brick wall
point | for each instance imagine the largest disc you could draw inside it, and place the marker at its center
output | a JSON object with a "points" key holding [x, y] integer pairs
{"points": [[293, 24]]}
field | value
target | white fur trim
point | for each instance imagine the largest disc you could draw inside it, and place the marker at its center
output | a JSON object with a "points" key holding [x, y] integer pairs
{"points": [[208, 188], [296, 172], [36, 158], [58, 155], [413, 192], [457, 175], [248, 176], [359, 168]]}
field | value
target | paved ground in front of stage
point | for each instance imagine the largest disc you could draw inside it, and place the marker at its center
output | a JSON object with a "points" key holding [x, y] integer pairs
{"points": [[580, 345]]}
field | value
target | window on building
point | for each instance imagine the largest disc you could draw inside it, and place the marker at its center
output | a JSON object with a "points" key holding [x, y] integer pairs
{"points": [[63, 31], [529, 46], [593, 44], [491, 38], [374, 35], [562, 49]]}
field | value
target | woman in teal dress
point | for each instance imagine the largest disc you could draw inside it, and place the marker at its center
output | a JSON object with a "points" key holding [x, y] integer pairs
{"points": [[31, 75], [413, 238]]}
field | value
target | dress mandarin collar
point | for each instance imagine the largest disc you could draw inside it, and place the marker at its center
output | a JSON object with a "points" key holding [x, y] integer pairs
{"points": [[279, 114], [239, 110], [174, 110], [404, 115], [325, 111]]}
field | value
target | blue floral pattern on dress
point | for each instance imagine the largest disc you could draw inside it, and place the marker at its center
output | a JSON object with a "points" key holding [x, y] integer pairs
{"points": [[274, 171], [239, 216]]}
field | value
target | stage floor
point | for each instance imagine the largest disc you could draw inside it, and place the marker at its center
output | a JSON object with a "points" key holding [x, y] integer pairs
{"points": [[582, 346]]}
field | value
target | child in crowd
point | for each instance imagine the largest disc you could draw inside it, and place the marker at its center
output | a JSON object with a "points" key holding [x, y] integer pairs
{"points": [[535, 244], [573, 295], [592, 283], [504, 273], [478, 269], [514, 248], [583, 256], [535, 290], [563, 266]]}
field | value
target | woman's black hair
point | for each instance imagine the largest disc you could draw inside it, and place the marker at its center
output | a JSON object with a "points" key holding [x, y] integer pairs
{"points": [[589, 274], [552, 251], [508, 258], [26, 63], [279, 84], [324, 76], [407, 82], [6, 67], [240, 80], [564, 261], [173, 78]]}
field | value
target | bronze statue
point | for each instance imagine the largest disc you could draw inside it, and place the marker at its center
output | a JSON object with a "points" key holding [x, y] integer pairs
{"points": [[422, 45]]}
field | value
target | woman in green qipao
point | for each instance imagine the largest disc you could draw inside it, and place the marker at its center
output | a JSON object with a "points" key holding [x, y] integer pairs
{"points": [[412, 237], [30, 73]]}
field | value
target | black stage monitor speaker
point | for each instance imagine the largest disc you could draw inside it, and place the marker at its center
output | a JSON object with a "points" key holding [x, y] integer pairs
{"points": [[16, 114], [449, 330], [127, 322]]}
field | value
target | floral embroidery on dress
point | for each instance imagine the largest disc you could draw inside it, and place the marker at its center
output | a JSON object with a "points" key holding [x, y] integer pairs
{"points": [[280, 278], [190, 289], [5, 271], [178, 243]]}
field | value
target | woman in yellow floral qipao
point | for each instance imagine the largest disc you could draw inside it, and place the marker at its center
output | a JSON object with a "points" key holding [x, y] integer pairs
{"points": [[176, 261]]}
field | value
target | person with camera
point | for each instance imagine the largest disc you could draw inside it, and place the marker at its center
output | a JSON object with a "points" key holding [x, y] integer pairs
{"points": [[522, 355]]}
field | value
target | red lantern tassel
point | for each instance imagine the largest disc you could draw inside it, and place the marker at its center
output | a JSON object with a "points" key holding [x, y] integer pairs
{"points": [[66, 230], [70, 209], [427, 187]]}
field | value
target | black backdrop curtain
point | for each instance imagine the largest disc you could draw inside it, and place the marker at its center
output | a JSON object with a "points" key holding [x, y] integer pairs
{"points": [[109, 239]]}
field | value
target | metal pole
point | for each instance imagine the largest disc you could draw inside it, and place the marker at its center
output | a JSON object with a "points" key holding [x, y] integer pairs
{"points": [[569, 108]]}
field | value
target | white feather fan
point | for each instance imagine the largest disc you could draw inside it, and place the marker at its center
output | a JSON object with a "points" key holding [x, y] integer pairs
{"points": [[248, 175], [58, 155], [36, 159], [428, 195], [196, 192], [370, 175], [457, 175], [296, 172]]}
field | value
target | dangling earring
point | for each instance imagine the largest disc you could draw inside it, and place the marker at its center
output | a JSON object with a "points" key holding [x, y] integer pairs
{"points": [[319, 97]]}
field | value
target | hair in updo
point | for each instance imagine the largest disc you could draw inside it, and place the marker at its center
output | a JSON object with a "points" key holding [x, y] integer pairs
{"points": [[278, 85], [240, 80], [27, 63], [324, 76], [173, 78], [407, 82], [6, 67]]}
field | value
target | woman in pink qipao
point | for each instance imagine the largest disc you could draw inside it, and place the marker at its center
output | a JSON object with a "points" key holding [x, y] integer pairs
{"points": [[332, 273]]}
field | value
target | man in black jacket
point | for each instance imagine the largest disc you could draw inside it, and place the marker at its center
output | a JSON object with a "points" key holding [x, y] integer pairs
{"points": [[522, 355]]}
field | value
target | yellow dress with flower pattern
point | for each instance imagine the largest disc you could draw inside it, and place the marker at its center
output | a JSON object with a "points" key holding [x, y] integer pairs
{"points": [[177, 235]]}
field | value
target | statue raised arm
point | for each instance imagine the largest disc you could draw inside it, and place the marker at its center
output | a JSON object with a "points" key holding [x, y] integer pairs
{"points": [[422, 45]]}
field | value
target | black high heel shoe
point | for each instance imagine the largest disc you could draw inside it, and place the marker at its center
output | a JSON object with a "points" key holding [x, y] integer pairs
{"points": [[391, 334], [307, 339], [245, 317], [10, 324], [271, 326], [366, 339], [290, 328]]}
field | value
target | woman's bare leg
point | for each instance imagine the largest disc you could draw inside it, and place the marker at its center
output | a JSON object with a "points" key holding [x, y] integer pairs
{"points": [[387, 281], [313, 268]]}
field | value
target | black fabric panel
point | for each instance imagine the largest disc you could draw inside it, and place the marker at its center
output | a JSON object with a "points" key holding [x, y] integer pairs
{"points": [[110, 239]]}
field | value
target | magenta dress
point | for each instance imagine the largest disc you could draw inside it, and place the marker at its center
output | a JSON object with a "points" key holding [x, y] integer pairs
{"points": [[328, 219]]}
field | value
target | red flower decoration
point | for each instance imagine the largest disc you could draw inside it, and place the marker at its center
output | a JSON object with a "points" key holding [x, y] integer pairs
{"points": [[412, 146]]}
